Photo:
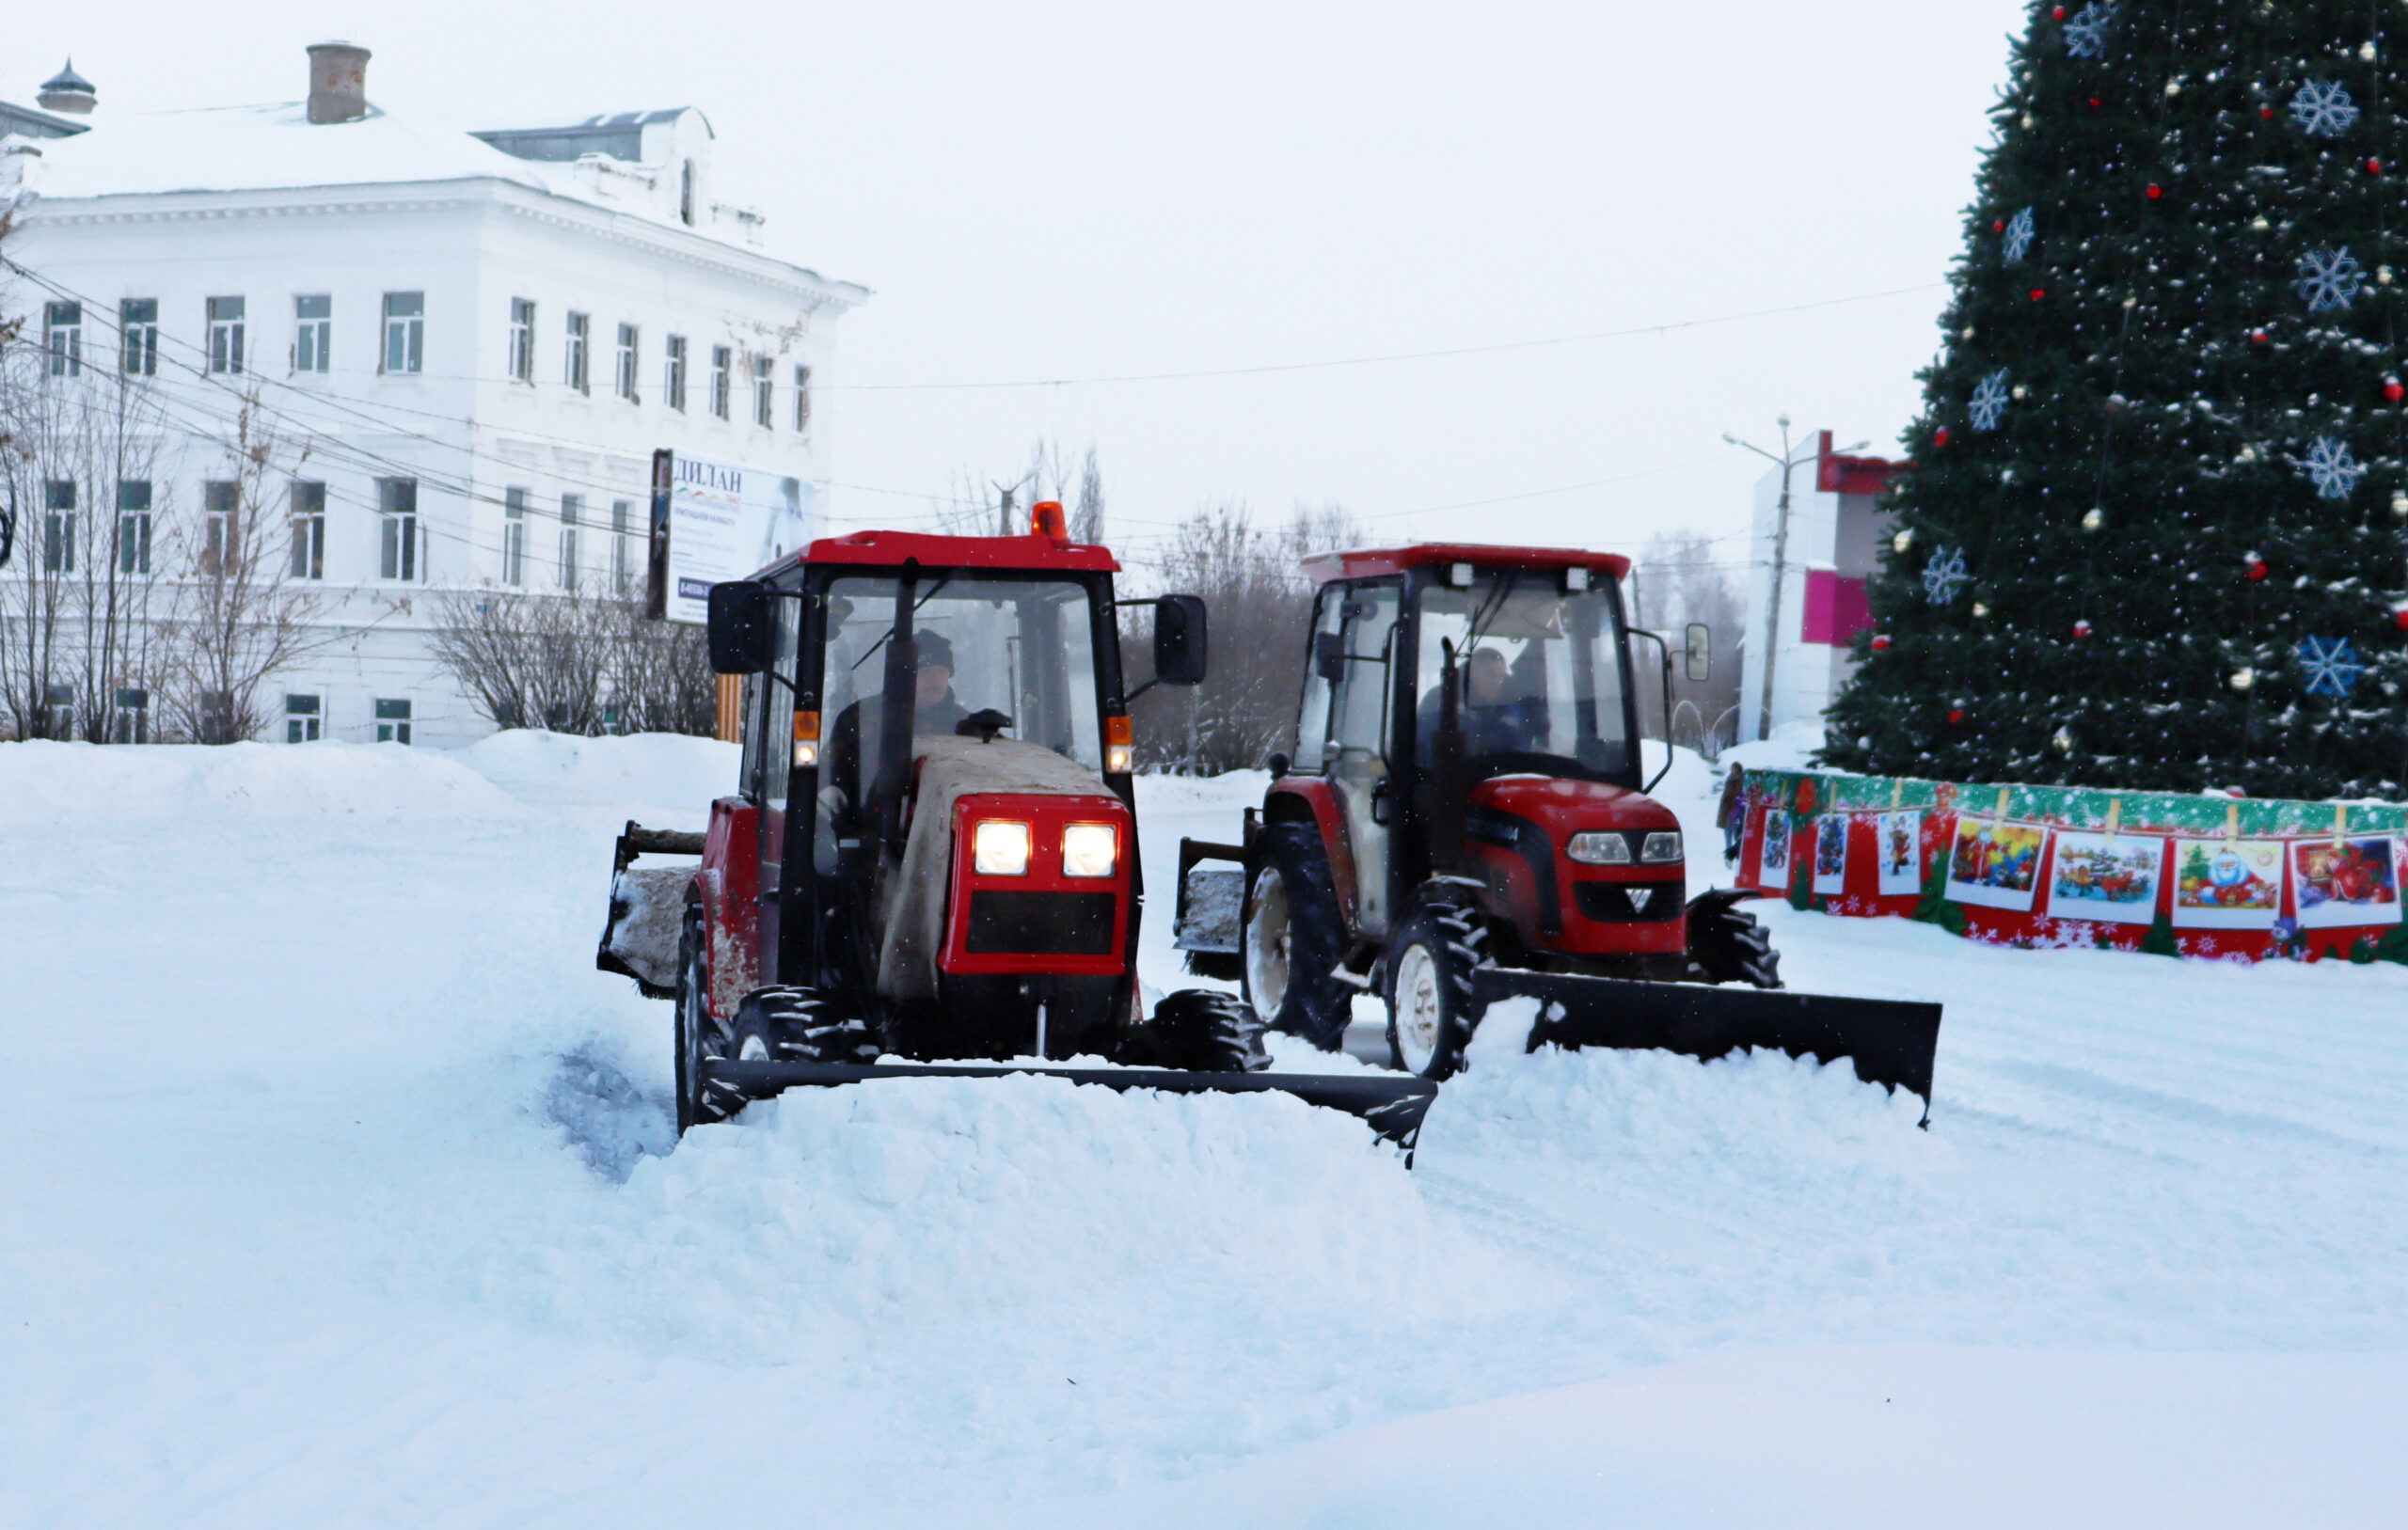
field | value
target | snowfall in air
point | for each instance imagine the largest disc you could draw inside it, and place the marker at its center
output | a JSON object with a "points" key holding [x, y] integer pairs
{"points": [[338, 1189]]}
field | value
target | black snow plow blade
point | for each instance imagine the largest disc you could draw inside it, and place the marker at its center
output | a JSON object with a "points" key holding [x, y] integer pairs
{"points": [[1390, 1105], [1889, 1041]]}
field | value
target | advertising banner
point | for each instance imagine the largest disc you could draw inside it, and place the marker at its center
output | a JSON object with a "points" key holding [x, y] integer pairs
{"points": [[713, 522]]}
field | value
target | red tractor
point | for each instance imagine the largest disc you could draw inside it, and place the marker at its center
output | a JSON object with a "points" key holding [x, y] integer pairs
{"points": [[931, 856], [1466, 821]]}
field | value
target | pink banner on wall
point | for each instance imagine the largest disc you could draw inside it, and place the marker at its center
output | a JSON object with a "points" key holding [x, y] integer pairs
{"points": [[1836, 608]]}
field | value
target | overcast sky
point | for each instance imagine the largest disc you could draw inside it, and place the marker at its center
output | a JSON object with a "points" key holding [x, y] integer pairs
{"points": [[1046, 191]]}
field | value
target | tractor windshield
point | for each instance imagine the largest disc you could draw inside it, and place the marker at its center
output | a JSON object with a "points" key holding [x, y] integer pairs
{"points": [[1541, 671], [1021, 648]]}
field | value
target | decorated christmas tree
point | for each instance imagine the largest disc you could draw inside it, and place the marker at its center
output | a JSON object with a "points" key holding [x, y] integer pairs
{"points": [[2155, 532]]}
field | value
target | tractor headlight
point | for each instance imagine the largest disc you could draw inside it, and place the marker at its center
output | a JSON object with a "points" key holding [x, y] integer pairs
{"points": [[999, 847], [1599, 848], [1090, 850], [1662, 848]]}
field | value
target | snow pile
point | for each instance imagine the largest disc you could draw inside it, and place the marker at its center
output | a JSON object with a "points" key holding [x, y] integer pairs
{"points": [[651, 771], [816, 1223], [43, 784]]}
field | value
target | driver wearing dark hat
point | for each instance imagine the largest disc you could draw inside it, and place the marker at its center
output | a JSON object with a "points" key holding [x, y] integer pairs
{"points": [[936, 711]]}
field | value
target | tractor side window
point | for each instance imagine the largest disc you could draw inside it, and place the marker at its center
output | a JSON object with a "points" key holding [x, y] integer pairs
{"points": [[777, 703], [1312, 720], [1359, 712]]}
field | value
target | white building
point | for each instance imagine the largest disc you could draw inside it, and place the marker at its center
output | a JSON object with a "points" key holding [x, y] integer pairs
{"points": [[466, 347], [1836, 525]]}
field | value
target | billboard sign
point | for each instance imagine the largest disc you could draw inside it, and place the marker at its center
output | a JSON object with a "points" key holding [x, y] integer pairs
{"points": [[712, 522]]}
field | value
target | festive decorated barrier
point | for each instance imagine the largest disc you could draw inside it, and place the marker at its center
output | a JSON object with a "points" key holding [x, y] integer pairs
{"points": [[2209, 875]]}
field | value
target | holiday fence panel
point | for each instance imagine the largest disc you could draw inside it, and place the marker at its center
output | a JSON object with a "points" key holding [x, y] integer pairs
{"points": [[2207, 875]]}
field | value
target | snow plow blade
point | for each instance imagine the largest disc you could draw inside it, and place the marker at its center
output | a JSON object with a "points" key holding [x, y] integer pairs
{"points": [[1391, 1106], [1890, 1042]]}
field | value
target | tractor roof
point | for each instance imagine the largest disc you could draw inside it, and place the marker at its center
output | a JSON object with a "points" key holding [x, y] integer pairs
{"points": [[891, 549], [1365, 563]]}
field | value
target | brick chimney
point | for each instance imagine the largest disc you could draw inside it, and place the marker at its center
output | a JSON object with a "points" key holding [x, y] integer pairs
{"points": [[338, 82]]}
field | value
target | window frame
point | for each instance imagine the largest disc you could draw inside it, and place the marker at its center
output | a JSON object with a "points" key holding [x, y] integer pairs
{"points": [[630, 361], [228, 320], [313, 333], [765, 388], [398, 532], [522, 341], [393, 719], [577, 365], [722, 380], [403, 354], [304, 724], [131, 547], [309, 516], [513, 536], [673, 379], [801, 400], [62, 338], [572, 517], [138, 337]]}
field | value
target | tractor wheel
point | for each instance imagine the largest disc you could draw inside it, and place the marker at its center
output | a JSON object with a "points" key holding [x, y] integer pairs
{"points": [[698, 1037], [1431, 1012], [1197, 1031], [1293, 938], [800, 1025], [1727, 945]]}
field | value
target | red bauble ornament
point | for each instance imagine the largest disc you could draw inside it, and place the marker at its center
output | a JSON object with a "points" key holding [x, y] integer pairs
{"points": [[1881, 639], [2155, 191], [2266, 112], [2253, 567], [1955, 716], [2038, 292], [2400, 617], [2258, 336], [2392, 391], [1940, 437], [2094, 103], [2374, 166], [1998, 225], [2057, 14], [2082, 629]]}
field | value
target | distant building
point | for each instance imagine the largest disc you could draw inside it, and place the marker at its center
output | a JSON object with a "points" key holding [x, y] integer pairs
{"points": [[1836, 525], [467, 346]]}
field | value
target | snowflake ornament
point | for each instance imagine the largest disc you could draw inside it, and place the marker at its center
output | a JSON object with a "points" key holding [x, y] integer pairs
{"points": [[1990, 400], [2328, 280], [1944, 576], [2331, 469], [2331, 664], [2323, 108], [2018, 238], [2086, 34]]}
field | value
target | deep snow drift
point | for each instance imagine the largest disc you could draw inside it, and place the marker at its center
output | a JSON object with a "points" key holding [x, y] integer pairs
{"points": [[340, 1190]]}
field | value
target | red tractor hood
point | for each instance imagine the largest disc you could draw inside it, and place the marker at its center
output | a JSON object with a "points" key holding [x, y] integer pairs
{"points": [[1564, 807]]}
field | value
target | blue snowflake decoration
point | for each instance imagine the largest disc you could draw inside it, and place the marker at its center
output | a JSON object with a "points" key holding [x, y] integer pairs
{"points": [[2086, 34], [2323, 108], [2328, 280], [1990, 400], [1944, 576], [2017, 237], [2331, 664], [2331, 469]]}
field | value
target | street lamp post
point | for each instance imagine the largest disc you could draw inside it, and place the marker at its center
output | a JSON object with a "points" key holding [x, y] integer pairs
{"points": [[1788, 462]]}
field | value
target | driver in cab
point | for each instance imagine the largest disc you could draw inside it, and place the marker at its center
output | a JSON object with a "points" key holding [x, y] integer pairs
{"points": [[1493, 723], [935, 711]]}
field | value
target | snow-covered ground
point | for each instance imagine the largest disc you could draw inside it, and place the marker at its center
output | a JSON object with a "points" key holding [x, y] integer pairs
{"points": [[338, 1189]]}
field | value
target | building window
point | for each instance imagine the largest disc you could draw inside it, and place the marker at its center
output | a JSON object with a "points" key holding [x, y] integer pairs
{"points": [[685, 189], [59, 701], [572, 511], [627, 379], [217, 526], [314, 320], [397, 507], [801, 400], [522, 339], [578, 328], [675, 380], [393, 721], [513, 536], [225, 335], [622, 513], [133, 526], [405, 332], [59, 526], [63, 332], [722, 363], [764, 384], [138, 321], [303, 716], [131, 721], [308, 530]]}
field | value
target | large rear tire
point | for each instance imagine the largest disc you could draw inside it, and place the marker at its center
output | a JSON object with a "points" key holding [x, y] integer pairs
{"points": [[1197, 1031], [1727, 945], [699, 1036], [1430, 1008], [800, 1025], [1293, 937]]}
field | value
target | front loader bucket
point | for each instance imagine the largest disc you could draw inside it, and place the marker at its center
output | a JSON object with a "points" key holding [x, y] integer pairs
{"points": [[1390, 1104], [1890, 1042]]}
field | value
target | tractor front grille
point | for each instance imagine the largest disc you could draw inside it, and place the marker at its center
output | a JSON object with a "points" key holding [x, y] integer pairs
{"points": [[1608, 903], [1040, 923]]}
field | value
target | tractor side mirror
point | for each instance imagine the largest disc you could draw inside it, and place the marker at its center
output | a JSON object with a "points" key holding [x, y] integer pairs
{"points": [[743, 628], [1178, 639], [1329, 655], [1699, 659]]}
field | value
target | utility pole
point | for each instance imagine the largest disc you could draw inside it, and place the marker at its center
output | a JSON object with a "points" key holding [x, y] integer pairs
{"points": [[1788, 462]]}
